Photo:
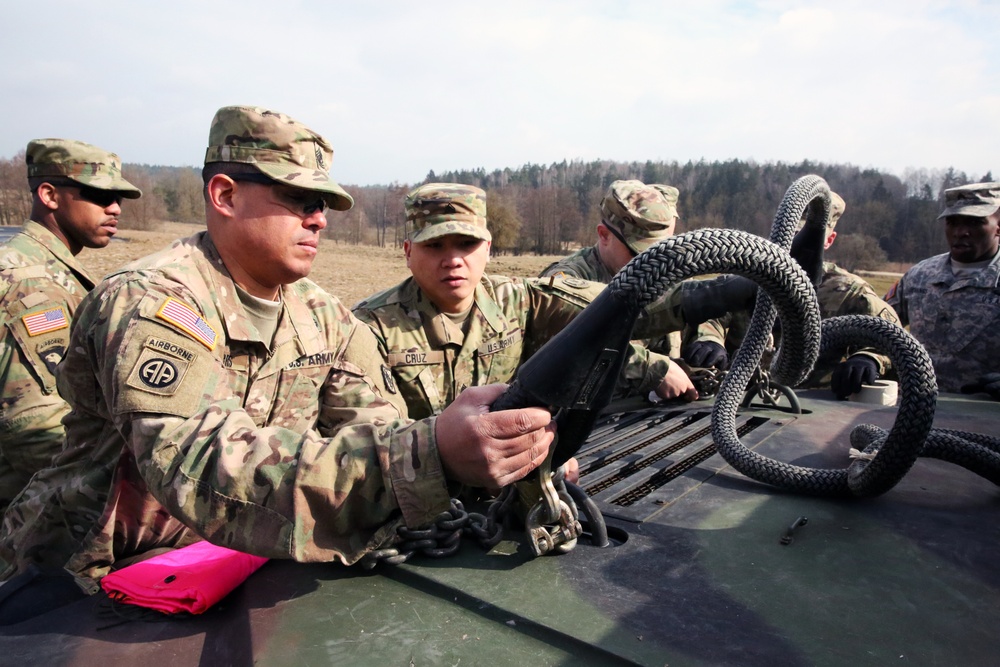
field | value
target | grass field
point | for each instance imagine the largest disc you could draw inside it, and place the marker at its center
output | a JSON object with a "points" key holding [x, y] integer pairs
{"points": [[348, 271]]}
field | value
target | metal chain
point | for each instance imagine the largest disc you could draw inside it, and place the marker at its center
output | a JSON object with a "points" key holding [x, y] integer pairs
{"points": [[443, 536]]}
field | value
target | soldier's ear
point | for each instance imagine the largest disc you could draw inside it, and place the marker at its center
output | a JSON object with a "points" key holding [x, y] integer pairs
{"points": [[489, 247], [603, 233], [220, 195], [406, 251], [48, 195]]}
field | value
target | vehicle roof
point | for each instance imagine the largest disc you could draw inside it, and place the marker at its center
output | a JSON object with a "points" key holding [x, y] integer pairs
{"points": [[697, 574]]}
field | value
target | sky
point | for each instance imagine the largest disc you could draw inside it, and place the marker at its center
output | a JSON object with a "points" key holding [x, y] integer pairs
{"points": [[403, 88]]}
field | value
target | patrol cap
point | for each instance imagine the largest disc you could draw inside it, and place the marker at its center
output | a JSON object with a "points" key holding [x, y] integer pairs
{"points": [[642, 214], [76, 161], [837, 208], [977, 199], [280, 147], [439, 209]]}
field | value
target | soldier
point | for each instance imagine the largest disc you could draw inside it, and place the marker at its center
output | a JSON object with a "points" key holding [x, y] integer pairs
{"points": [[76, 192], [217, 394], [840, 293], [951, 302], [634, 216], [449, 326]]}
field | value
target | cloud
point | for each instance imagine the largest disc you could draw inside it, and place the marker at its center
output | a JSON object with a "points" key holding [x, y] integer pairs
{"points": [[403, 88]]}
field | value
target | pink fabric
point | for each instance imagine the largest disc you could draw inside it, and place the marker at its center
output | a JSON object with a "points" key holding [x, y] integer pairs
{"points": [[191, 579]]}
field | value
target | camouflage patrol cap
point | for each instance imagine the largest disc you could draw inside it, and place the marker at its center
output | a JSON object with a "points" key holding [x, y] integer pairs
{"points": [[977, 199], [439, 209], [280, 147], [837, 208], [642, 214], [79, 162]]}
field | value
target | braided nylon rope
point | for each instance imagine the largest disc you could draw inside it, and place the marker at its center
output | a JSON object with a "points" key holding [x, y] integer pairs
{"points": [[703, 251], [896, 451], [786, 292], [889, 455]]}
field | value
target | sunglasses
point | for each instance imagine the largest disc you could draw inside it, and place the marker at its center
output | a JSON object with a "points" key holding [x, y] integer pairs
{"points": [[302, 203], [102, 198]]}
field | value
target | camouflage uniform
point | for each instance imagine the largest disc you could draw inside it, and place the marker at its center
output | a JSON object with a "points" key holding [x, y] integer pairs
{"points": [[639, 215], [186, 425], [584, 263], [41, 285], [839, 292], [433, 359], [957, 318]]}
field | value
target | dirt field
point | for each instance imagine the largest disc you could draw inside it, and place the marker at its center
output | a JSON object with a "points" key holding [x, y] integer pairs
{"points": [[350, 272]]}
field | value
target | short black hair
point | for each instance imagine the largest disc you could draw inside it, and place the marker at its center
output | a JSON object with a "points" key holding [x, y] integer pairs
{"points": [[229, 169]]}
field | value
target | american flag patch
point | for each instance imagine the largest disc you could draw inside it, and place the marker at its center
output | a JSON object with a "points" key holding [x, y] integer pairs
{"points": [[52, 319], [185, 318], [892, 291]]}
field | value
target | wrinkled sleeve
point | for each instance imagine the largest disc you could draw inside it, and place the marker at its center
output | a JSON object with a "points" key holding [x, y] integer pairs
{"points": [[31, 409], [330, 492], [661, 317], [643, 371], [713, 331], [864, 301], [553, 307]]}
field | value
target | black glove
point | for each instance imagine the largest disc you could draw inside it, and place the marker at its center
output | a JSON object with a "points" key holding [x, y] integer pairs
{"points": [[706, 354], [849, 375], [707, 299], [989, 383]]}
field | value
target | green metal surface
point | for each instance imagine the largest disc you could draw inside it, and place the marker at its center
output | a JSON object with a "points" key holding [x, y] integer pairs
{"points": [[698, 575]]}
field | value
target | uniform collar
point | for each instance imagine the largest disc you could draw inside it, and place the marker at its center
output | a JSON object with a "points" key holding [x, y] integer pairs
{"points": [[40, 234], [604, 273], [439, 328], [296, 321]]}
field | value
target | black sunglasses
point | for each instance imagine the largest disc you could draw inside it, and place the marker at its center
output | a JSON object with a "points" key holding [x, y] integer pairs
{"points": [[102, 198], [296, 200]]}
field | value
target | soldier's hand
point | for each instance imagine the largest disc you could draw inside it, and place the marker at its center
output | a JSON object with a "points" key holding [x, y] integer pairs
{"points": [[676, 384], [572, 470], [706, 354], [491, 449], [989, 383], [850, 375]]}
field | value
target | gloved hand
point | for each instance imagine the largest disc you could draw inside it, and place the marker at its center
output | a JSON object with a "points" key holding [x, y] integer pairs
{"points": [[989, 383], [706, 354], [850, 375]]}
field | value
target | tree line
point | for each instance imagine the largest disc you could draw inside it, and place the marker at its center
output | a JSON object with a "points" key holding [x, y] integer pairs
{"points": [[551, 209]]}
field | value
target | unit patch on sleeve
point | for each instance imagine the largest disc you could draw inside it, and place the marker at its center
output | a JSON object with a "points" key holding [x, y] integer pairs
{"points": [[52, 319], [160, 367], [51, 353], [575, 283], [185, 318]]}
